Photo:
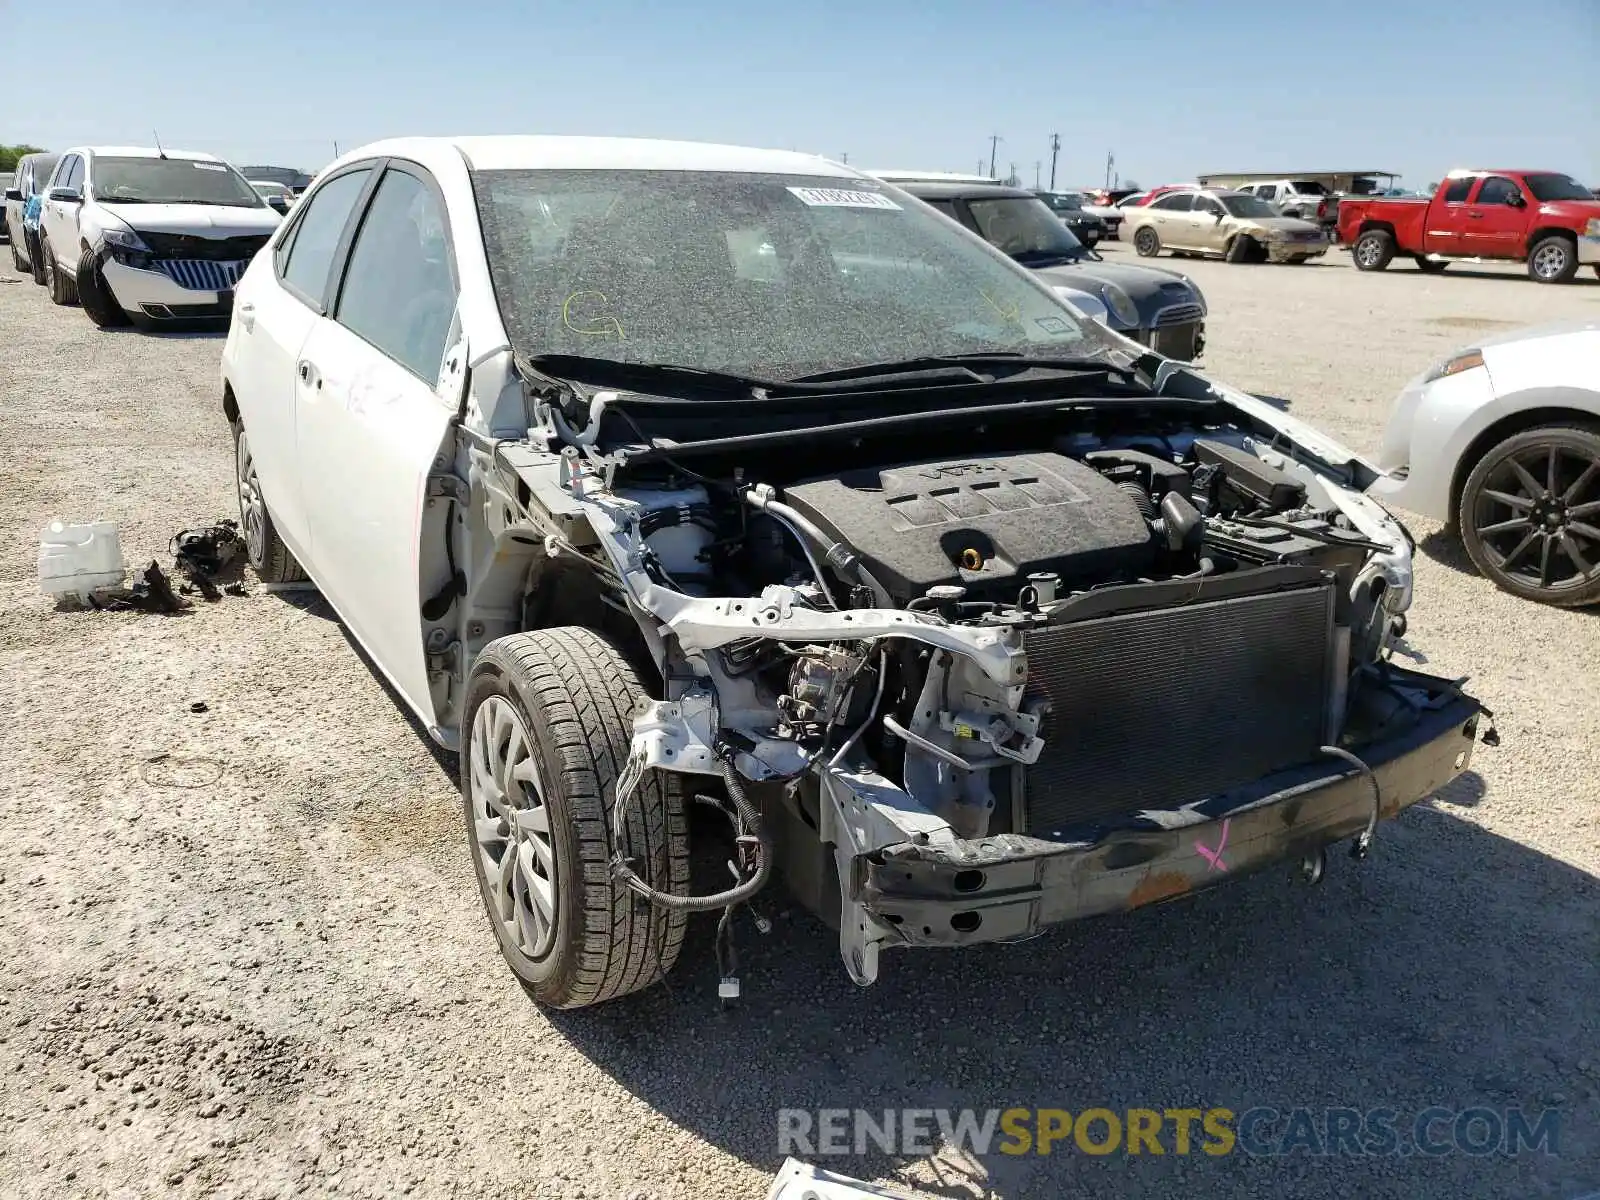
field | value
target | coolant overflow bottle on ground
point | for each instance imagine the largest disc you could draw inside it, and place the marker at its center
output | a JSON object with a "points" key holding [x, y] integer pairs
{"points": [[76, 560]]}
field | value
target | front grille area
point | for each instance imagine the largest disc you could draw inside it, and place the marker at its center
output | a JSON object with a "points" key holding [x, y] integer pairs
{"points": [[203, 249], [199, 275], [1179, 314], [1154, 710]]}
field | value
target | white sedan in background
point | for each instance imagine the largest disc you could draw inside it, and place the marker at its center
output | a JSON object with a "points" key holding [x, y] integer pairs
{"points": [[1502, 440]]}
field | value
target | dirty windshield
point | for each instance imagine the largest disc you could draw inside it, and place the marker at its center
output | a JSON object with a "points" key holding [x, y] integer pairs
{"points": [[770, 275], [170, 181]]}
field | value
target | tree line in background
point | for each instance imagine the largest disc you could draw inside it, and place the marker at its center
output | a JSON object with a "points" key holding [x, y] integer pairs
{"points": [[10, 154]]}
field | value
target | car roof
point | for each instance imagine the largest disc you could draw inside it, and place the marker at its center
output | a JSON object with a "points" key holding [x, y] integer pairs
{"points": [[965, 191], [561, 153], [144, 152]]}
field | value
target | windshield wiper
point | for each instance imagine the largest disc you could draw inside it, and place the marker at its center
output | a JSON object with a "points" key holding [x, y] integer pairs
{"points": [[613, 372], [1010, 361]]}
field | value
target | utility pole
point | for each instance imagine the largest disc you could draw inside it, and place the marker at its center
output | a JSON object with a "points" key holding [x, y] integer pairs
{"points": [[994, 144], [1037, 166], [979, 171], [1055, 149], [1111, 161], [1013, 179], [844, 157]]}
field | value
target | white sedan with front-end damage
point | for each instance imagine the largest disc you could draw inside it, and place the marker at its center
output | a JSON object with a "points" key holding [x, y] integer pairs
{"points": [[647, 471]]}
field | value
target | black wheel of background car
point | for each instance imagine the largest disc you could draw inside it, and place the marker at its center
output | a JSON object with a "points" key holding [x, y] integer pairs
{"points": [[1530, 515], [1553, 259], [269, 558], [1147, 242], [1241, 249], [98, 303], [62, 289], [1374, 250], [17, 264], [548, 726], [1430, 266], [35, 257]]}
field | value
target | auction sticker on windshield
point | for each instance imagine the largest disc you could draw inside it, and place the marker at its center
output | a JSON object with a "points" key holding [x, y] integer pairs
{"points": [[837, 198]]}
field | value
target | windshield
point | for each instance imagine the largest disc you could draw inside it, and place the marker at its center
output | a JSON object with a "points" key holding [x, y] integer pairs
{"points": [[1248, 207], [1063, 201], [766, 275], [170, 181], [1025, 229], [1556, 187], [264, 188]]}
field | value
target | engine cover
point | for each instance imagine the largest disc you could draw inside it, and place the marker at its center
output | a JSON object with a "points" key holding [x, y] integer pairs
{"points": [[985, 522]]}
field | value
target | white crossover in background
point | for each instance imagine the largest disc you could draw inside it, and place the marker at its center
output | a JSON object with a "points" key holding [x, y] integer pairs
{"points": [[147, 235]]}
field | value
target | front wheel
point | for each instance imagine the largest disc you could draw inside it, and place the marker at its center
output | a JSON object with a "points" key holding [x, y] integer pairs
{"points": [[17, 264], [35, 257], [1530, 515], [1553, 259], [62, 289], [547, 731], [269, 558], [99, 304], [1147, 242], [1374, 250]]}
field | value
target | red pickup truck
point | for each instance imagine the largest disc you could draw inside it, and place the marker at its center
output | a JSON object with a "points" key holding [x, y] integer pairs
{"points": [[1549, 221]]}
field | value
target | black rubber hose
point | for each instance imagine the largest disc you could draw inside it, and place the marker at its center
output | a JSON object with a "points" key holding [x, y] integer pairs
{"points": [[1363, 842], [734, 895]]}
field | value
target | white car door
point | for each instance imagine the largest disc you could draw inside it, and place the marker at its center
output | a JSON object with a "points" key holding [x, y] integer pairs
{"points": [[370, 420], [278, 303], [58, 219]]}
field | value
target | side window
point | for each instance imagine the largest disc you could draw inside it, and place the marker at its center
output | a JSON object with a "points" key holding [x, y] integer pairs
{"points": [[63, 171], [1456, 193], [399, 290], [1205, 204], [1498, 190], [306, 254], [947, 207], [75, 179], [1267, 191], [1177, 202]]}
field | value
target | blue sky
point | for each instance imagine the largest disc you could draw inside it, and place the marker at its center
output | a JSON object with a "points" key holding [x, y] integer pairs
{"points": [[1173, 86]]}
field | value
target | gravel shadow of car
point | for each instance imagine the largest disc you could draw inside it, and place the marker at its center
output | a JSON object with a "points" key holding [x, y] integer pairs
{"points": [[1453, 968], [1446, 550]]}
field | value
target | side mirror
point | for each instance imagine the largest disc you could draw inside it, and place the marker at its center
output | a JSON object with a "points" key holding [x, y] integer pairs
{"points": [[65, 195], [280, 203], [13, 193], [1517, 200]]}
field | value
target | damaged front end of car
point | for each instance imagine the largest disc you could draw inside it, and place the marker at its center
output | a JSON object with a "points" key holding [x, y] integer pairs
{"points": [[1051, 663]]}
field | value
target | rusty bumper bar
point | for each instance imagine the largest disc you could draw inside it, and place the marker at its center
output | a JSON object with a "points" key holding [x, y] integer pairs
{"points": [[1009, 886]]}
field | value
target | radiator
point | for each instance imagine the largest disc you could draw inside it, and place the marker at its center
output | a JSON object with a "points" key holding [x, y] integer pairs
{"points": [[1156, 709]]}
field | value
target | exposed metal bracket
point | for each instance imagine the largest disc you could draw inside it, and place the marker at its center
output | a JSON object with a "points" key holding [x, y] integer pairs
{"points": [[443, 485]]}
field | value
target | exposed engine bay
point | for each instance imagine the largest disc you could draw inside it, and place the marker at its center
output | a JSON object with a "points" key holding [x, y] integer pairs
{"points": [[964, 664]]}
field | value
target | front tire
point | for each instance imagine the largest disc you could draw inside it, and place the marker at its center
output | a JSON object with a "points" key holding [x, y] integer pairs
{"points": [[1553, 259], [1147, 242], [35, 257], [1241, 249], [269, 558], [1529, 515], [1373, 250], [98, 303], [547, 733], [17, 264], [62, 289]]}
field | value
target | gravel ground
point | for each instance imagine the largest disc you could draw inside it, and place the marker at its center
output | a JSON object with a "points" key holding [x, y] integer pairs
{"points": [[246, 954]]}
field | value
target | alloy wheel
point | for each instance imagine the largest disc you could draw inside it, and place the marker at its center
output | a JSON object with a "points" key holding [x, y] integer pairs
{"points": [[1550, 259], [1367, 251], [511, 828], [252, 505], [1537, 516]]}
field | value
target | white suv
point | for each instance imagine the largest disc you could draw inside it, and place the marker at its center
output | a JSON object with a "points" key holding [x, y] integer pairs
{"points": [[148, 235]]}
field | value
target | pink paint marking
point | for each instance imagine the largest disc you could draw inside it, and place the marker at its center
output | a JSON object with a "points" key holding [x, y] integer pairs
{"points": [[1214, 857]]}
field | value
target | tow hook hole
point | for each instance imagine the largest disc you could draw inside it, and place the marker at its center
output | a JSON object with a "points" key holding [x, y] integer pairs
{"points": [[966, 922], [969, 881]]}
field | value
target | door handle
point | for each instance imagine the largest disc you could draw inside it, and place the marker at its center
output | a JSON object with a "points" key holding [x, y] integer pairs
{"points": [[309, 374], [247, 316], [1471, 216]]}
